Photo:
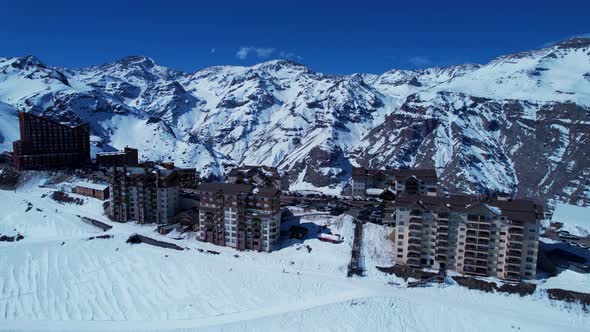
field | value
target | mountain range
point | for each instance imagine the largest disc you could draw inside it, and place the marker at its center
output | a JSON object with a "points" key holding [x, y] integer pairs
{"points": [[518, 124]]}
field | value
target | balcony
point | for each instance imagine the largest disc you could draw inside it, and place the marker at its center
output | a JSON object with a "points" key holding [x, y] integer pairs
{"points": [[471, 232], [416, 213], [515, 246], [515, 230], [442, 229], [414, 254], [484, 234], [414, 240], [441, 258], [413, 262], [442, 243], [415, 227], [475, 270], [514, 253], [415, 235], [513, 268], [442, 237], [512, 276], [513, 260], [415, 248], [414, 220], [515, 238]]}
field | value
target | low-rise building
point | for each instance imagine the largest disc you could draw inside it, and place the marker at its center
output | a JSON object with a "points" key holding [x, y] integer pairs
{"points": [[145, 195], [473, 235], [96, 190], [239, 216], [408, 181], [128, 157], [263, 176]]}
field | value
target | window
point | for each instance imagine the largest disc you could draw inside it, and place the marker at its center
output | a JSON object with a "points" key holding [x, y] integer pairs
{"points": [[461, 243], [400, 250], [400, 243], [400, 256], [400, 237]]}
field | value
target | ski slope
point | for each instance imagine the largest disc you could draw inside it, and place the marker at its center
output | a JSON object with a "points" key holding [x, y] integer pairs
{"points": [[56, 279]]}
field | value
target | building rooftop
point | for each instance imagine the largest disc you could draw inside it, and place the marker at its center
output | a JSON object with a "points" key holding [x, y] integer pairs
{"points": [[517, 210], [226, 187], [91, 185]]}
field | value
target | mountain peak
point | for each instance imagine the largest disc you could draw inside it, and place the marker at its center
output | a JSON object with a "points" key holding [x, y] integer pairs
{"points": [[280, 64], [138, 60], [577, 42]]}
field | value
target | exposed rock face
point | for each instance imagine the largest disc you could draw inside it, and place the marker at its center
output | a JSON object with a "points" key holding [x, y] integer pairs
{"points": [[518, 124]]}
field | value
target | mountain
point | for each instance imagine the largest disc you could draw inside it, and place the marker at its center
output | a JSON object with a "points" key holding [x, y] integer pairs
{"points": [[518, 124]]}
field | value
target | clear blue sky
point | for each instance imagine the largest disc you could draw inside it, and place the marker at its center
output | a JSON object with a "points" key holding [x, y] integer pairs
{"points": [[333, 37]]}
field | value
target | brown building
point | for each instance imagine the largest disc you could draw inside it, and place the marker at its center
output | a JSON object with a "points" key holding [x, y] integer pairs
{"points": [[409, 181], [127, 157], [263, 176], [145, 195], [187, 176], [46, 143], [474, 235], [239, 216], [96, 190]]}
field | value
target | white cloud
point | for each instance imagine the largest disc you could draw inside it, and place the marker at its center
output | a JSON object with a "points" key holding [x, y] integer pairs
{"points": [[289, 55], [259, 52], [420, 61]]}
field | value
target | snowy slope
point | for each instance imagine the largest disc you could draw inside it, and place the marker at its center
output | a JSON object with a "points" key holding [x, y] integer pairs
{"points": [[479, 125], [56, 279], [8, 127]]}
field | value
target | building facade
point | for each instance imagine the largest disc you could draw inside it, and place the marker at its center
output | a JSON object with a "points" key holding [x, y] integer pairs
{"points": [[479, 236], [96, 190], [145, 195], [408, 181], [127, 157], [239, 216], [187, 176], [45, 143]]}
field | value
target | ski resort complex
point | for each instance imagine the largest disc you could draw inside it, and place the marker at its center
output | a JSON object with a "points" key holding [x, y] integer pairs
{"points": [[202, 166]]}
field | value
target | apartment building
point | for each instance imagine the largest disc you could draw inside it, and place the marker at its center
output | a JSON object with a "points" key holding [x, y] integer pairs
{"points": [[259, 176], [127, 157], [408, 181], [479, 236], [187, 176], [45, 143], [145, 195], [239, 216]]}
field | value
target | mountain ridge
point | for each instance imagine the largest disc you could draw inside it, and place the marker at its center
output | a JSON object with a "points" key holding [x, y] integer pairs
{"points": [[463, 119]]}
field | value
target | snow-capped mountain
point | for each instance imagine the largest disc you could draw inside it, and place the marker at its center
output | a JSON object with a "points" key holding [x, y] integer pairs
{"points": [[519, 123]]}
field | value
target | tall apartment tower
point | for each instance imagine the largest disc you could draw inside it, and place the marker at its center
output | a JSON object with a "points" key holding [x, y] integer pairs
{"points": [[145, 195], [472, 235], [46, 143], [239, 216]]}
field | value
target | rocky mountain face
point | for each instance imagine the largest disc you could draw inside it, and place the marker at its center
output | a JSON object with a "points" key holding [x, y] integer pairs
{"points": [[519, 124]]}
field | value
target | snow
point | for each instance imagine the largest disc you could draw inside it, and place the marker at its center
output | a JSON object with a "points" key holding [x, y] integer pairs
{"points": [[570, 280], [576, 219], [55, 279], [9, 131]]}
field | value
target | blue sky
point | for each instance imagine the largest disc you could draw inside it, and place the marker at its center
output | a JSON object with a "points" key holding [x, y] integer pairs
{"points": [[329, 36]]}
